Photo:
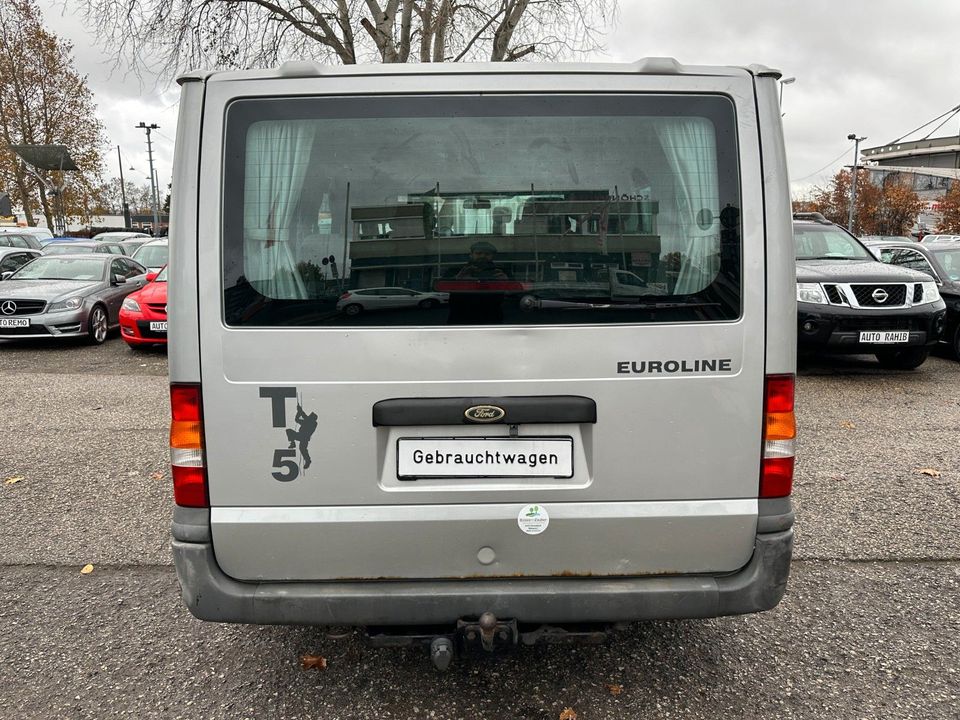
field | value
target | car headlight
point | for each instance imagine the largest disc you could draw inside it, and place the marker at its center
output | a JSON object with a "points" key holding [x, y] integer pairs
{"points": [[130, 304], [68, 304], [930, 293], [811, 293]]}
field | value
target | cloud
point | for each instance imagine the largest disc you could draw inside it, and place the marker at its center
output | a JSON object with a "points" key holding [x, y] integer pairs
{"points": [[122, 100], [878, 68]]}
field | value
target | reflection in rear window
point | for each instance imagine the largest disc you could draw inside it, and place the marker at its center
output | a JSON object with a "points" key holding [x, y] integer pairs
{"points": [[533, 210]]}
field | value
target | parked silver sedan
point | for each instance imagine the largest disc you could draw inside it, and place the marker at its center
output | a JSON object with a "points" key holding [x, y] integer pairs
{"points": [[67, 296]]}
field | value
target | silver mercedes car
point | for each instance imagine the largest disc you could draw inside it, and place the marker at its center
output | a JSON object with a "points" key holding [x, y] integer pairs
{"points": [[67, 296]]}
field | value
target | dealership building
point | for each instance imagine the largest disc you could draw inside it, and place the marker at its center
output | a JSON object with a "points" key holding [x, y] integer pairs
{"points": [[930, 165]]}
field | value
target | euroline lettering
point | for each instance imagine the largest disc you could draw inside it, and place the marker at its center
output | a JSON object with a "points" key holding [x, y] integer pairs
{"points": [[674, 367]]}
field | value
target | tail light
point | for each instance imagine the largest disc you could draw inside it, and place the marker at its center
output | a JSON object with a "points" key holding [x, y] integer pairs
{"points": [[779, 437], [188, 464], [345, 296]]}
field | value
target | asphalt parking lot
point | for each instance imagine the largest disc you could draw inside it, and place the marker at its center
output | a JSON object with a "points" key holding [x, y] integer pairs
{"points": [[870, 626]]}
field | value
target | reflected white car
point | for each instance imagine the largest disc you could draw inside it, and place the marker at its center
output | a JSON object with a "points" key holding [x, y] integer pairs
{"points": [[354, 302]]}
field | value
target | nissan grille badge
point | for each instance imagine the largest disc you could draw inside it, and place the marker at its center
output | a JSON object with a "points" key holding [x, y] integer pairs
{"points": [[484, 413], [8, 307], [880, 295]]}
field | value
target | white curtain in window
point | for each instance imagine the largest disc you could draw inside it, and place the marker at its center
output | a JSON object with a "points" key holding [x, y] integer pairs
{"points": [[690, 146], [278, 154]]}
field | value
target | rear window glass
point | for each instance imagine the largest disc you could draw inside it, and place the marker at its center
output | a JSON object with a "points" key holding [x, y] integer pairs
{"points": [[491, 210]]}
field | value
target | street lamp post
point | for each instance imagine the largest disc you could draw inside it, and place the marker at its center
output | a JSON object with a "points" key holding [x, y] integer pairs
{"points": [[153, 187], [123, 193], [853, 183]]}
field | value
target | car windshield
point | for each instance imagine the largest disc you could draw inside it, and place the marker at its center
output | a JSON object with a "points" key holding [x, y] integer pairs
{"points": [[67, 249], [827, 242], [52, 268], [162, 277], [152, 255], [950, 262]]}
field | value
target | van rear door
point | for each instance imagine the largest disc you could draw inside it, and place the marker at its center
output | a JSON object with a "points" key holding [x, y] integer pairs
{"points": [[518, 424]]}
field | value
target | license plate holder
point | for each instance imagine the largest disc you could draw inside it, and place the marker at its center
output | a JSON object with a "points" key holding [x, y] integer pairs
{"points": [[14, 322], [485, 457], [884, 337]]}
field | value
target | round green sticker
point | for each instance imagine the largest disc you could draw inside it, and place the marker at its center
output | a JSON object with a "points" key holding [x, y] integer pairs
{"points": [[533, 519]]}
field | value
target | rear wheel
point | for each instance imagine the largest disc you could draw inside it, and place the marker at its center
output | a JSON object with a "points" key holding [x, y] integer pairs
{"points": [[353, 309], [97, 326], [428, 304], [956, 343], [903, 359]]}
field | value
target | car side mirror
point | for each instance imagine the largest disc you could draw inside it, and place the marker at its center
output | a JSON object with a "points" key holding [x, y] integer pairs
{"points": [[151, 276], [4, 276], [118, 280]]}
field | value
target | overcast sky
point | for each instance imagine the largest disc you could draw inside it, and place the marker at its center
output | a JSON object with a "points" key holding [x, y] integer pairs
{"points": [[873, 67]]}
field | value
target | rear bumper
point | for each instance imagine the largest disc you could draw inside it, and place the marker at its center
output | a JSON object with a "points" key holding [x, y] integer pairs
{"points": [[66, 324], [212, 595], [135, 329]]}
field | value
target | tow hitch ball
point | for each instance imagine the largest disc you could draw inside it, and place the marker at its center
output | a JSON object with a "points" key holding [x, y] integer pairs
{"points": [[487, 633]]}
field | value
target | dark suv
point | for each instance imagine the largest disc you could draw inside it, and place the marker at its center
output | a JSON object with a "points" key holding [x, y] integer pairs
{"points": [[850, 302]]}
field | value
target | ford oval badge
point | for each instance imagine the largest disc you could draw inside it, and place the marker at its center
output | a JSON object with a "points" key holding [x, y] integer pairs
{"points": [[484, 413]]}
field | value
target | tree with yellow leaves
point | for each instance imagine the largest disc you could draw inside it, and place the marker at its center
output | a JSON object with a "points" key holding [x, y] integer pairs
{"points": [[887, 209], [44, 101], [949, 207]]}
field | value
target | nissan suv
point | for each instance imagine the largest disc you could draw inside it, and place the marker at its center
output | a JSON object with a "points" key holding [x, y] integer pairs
{"points": [[850, 302]]}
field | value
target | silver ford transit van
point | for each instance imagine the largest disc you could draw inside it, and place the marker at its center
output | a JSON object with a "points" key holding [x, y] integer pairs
{"points": [[563, 391]]}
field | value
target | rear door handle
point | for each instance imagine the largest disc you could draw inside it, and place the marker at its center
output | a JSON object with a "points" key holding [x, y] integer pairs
{"points": [[516, 410]]}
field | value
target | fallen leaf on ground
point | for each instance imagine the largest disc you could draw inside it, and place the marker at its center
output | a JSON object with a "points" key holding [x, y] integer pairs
{"points": [[86, 569], [156, 475], [12, 480], [846, 424], [568, 714], [932, 472], [313, 662], [614, 689]]}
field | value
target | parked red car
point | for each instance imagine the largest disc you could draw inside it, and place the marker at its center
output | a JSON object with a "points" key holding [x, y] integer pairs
{"points": [[143, 315]]}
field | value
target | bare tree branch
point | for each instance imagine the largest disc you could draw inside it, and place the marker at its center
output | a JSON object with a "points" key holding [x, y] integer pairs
{"points": [[441, 26], [426, 32], [165, 37], [517, 53], [469, 46], [406, 19], [513, 12], [382, 31]]}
